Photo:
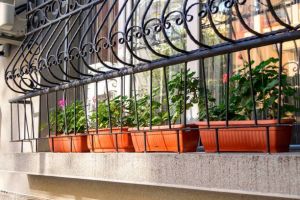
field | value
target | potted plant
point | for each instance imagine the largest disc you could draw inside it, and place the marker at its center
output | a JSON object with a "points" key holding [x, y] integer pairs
{"points": [[69, 129], [110, 137], [162, 139], [242, 134]]}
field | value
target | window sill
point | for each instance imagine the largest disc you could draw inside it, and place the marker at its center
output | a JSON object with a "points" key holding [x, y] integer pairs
{"points": [[258, 174]]}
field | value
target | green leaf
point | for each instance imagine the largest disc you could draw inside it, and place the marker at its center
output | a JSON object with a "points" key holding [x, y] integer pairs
{"points": [[271, 85]]}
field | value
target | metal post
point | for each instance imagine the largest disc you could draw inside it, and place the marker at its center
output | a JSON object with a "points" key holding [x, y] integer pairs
{"points": [[217, 140]]}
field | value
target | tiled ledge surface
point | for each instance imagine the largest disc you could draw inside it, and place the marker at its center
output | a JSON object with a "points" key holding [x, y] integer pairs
{"points": [[259, 174]]}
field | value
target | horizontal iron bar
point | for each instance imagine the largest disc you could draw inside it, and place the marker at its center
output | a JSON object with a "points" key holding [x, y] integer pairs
{"points": [[22, 102], [241, 45], [295, 147]]}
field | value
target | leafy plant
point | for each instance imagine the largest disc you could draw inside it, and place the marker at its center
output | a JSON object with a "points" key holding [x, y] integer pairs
{"points": [[176, 87], [63, 120], [265, 79], [176, 99], [115, 110], [143, 110], [265, 89]]}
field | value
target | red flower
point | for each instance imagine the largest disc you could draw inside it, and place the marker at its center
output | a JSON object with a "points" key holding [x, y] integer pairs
{"points": [[225, 78]]}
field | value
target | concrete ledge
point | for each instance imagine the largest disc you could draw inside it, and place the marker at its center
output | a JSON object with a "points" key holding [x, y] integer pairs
{"points": [[276, 175]]}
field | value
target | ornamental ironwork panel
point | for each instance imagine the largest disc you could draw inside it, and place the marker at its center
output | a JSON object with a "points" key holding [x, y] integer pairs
{"points": [[70, 44], [62, 32]]}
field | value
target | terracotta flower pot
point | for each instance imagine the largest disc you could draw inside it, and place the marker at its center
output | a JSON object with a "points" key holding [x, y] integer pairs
{"points": [[63, 143], [165, 140], [250, 139], [106, 141]]}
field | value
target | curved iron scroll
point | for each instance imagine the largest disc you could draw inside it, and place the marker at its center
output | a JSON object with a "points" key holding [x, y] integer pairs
{"points": [[83, 39]]}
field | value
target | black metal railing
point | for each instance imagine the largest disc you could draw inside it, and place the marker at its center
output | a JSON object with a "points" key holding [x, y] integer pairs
{"points": [[72, 46]]}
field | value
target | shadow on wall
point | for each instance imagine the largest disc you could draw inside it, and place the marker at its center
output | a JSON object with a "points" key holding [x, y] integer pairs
{"points": [[62, 188]]}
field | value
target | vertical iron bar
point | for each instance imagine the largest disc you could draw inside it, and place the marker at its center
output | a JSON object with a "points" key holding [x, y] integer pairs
{"points": [[65, 115], [40, 117], [48, 120], [25, 119], [121, 113], [280, 84], [185, 94], [36, 145], [130, 85], [167, 97], [217, 140], [121, 104], [40, 123], [32, 125], [251, 85], [75, 132], [178, 141], [145, 142], [52, 140], [71, 141], [92, 142], [135, 103], [108, 106], [109, 111], [205, 92], [11, 122], [268, 139], [56, 126], [116, 138], [85, 111], [151, 96], [96, 99], [19, 129], [48, 115], [180, 93], [97, 114], [151, 112], [227, 88], [26, 127], [32, 118], [22, 146]]}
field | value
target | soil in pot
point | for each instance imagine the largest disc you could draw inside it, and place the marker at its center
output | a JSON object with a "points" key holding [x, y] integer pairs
{"points": [[249, 139], [65, 144], [107, 141], [164, 140]]}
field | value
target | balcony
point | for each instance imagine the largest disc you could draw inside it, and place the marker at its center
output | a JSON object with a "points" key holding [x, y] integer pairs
{"points": [[191, 95]]}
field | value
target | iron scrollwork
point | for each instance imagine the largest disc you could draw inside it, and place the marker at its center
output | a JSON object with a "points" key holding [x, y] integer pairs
{"points": [[65, 38]]}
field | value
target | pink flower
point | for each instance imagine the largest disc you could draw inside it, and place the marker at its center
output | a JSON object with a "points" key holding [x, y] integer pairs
{"points": [[61, 103], [225, 78]]}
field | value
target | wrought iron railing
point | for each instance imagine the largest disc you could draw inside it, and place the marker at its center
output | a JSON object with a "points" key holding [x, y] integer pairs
{"points": [[71, 45]]}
